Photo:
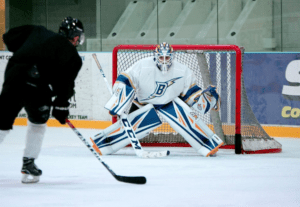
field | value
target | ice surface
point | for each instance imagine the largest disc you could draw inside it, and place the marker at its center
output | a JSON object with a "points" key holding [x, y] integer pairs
{"points": [[72, 176]]}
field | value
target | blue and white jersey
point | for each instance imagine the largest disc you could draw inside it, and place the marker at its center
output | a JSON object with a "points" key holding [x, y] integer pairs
{"points": [[151, 86]]}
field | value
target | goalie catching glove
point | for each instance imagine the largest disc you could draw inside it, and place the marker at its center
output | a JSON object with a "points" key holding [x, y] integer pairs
{"points": [[209, 99]]}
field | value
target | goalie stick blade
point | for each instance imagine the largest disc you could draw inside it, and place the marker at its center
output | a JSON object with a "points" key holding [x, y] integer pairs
{"points": [[146, 154], [132, 180]]}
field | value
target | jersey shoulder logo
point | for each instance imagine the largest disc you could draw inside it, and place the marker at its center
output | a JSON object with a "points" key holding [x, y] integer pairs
{"points": [[161, 88]]}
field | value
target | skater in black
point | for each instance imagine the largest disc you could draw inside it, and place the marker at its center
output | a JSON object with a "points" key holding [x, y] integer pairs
{"points": [[39, 76]]}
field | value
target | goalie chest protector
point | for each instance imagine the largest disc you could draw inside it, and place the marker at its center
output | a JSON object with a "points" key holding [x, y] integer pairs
{"points": [[153, 87]]}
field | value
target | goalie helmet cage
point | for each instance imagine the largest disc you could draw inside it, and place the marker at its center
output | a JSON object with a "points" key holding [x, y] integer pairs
{"points": [[219, 65]]}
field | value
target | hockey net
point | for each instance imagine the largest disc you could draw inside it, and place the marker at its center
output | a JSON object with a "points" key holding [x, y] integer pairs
{"points": [[219, 65]]}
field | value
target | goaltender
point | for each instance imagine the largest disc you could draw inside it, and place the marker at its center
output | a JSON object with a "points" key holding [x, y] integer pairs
{"points": [[160, 85]]}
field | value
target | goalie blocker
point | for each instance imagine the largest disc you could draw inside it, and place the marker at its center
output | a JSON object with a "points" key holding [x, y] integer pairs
{"points": [[121, 98], [177, 113]]}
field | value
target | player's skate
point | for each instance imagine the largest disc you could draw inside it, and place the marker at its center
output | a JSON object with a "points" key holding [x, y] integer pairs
{"points": [[31, 173]]}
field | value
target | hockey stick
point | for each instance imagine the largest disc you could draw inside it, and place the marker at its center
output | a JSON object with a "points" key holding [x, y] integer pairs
{"points": [[125, 179], [135, 143], [102, 73]]}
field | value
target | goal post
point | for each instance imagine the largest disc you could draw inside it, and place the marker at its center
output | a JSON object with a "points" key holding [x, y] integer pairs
{"points": [[219, 65]]}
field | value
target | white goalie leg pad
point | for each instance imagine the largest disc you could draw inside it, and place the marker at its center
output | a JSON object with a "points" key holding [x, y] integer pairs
{"points": [[194, 131], [122, 97], [113, 138], [102, 140], [209, 99], [34, 139]]}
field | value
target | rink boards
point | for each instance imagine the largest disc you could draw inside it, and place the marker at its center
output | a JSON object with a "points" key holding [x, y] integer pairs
{"points": [[274, 97]]}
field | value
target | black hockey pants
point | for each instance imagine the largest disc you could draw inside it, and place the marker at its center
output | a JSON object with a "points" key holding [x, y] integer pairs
{"points": [[18, 94]]}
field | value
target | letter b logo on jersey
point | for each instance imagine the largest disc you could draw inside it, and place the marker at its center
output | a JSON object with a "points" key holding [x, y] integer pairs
{"points": [[161, 88]]}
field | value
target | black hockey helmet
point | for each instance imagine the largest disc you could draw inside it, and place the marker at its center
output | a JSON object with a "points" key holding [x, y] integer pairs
{"points": [[72, 27]]}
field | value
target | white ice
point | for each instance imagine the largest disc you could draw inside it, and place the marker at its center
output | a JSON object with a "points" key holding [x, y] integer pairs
{"points": [[72, 176]]}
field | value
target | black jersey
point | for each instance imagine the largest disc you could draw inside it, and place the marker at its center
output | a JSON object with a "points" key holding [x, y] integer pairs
{"points": [[55, 58]]}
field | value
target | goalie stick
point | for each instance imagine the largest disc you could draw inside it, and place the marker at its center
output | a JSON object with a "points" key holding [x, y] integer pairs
{"points": [[125, 179], [102, 73], [135, 143]]}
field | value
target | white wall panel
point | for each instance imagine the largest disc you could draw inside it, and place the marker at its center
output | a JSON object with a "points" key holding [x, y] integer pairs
{"points": [[91, 91]]}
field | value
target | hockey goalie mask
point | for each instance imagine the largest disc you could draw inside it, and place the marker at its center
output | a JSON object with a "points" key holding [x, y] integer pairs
{"points": [[163, 57]]}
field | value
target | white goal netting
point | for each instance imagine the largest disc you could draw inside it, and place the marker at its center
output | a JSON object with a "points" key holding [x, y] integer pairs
{"points": [[212, 65]]}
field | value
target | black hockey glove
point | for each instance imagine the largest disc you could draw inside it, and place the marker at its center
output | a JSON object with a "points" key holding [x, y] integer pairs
{"points": [[60, 112]]}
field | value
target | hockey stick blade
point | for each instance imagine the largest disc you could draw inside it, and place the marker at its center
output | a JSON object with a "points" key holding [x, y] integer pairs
{"points": [[125, 179], [133, 180], [147, 154]]}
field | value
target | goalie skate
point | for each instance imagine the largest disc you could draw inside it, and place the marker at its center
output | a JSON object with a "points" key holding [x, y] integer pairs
{"points": [[31, 174]]}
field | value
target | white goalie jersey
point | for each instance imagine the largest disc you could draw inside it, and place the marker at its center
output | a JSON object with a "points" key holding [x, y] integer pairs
{"points": [[151, 86]]}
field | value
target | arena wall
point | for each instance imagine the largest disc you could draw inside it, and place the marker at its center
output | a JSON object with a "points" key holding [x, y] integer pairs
{"points": [[272, 82]]}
